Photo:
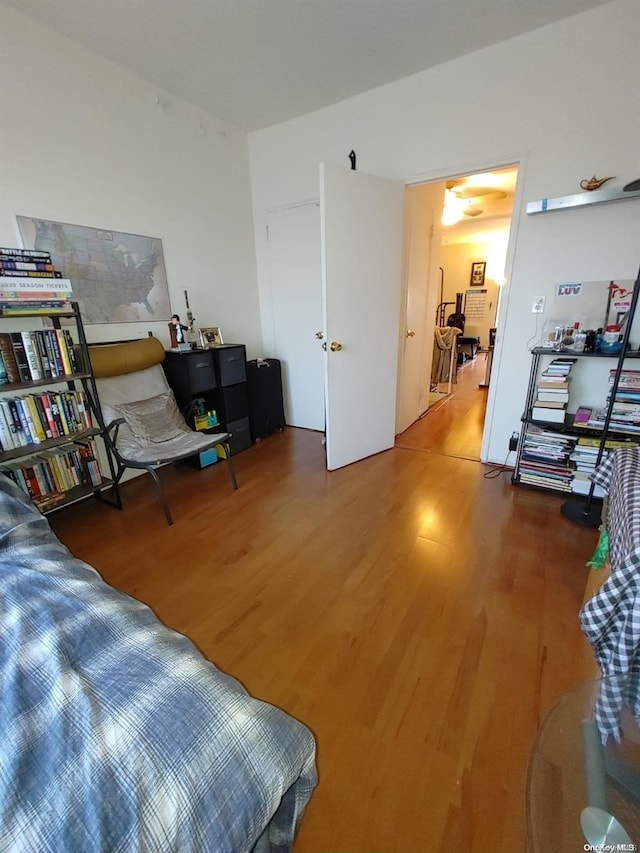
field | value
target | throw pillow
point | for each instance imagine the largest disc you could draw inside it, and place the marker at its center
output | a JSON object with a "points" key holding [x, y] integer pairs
{"points": [[156, 419]]}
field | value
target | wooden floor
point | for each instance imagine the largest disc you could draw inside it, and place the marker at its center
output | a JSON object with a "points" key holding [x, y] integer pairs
{"points": [[419, 617]]}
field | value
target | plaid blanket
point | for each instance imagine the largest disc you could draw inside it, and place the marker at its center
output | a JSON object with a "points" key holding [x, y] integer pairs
{"points": [[611, 619], [115, 733]]}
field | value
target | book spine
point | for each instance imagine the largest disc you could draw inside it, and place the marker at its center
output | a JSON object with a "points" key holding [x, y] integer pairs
{"points": [[66, 429], [19, 433], [72, 397], [55, 473], [42, 354], [30, 284], [53, 338], [26, 266], [62, 345], [85, 411], [6, 436], [68, 412], [30, 479], [16, 252], [46, 405], [32, 357], [9, 358], [71, 352], [55, 412], [41, 415], [31, 274], [35, 424], [24, 421], [20, 356], [50, 354]]}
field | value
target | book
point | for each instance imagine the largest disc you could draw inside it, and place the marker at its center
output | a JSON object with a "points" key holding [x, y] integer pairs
{"points": [[550, 414], [18, 431], [33, 417], [20, 356], [30, 439], [38, 337], [64, 352], [559, 385], [581, 417], [33, 265], [553, 396], [31, 273], [22, 308], [8, 357], [17, 252], [31, 284], [35, 368], [6, 433]]}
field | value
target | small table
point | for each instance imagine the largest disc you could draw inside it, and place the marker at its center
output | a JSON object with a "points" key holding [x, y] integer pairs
{"points": [[570, 771]]}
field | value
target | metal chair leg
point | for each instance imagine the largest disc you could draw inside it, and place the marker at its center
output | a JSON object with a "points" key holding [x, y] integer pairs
{"points": [[232, 473], [161, 495]]}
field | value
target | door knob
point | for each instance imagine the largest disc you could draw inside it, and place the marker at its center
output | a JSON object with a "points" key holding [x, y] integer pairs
{"points": [[411, 333], [334, 346], [319, 335]]}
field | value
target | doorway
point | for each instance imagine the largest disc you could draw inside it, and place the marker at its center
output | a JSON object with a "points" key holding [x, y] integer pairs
{"points": [[475, 209], [462, 279]]}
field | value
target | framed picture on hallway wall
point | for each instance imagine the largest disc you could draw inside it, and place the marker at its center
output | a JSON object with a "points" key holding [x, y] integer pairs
{"points": [[477, 273]]}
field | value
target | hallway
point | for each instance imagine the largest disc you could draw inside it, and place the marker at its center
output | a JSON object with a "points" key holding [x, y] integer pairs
{"points": [[453, 427]]}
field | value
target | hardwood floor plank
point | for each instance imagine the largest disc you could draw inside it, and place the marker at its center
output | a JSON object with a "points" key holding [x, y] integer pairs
{"points": [[420, 618]]}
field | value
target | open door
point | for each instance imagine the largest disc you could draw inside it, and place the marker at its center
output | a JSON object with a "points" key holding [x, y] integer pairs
{"points": [[423, 238], [361, 231]]}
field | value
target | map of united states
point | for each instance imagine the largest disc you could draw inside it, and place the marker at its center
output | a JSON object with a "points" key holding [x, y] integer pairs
{"points": [[115, 276]]}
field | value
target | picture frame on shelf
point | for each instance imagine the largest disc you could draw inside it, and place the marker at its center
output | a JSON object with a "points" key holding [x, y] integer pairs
{"points": [[477, 273], [210, 337]]}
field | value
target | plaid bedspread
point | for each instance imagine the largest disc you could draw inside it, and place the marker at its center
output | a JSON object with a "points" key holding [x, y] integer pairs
{"points": [[611, 619], [115, 733]]}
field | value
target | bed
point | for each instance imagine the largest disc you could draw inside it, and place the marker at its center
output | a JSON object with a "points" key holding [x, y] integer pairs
{"points": [[116, 733]]}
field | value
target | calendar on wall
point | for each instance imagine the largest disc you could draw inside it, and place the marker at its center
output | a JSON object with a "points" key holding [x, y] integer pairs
{"points": [[475, 304]]}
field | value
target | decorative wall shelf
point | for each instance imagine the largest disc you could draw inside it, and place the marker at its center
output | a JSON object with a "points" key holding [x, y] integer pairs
{"points": [[546, 205]]}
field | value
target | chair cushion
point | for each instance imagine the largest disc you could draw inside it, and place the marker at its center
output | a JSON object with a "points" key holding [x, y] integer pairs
{"points": [[155, 419]]}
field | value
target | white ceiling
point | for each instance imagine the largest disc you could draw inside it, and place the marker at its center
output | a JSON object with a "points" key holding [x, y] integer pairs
{"points": [[254, 63]]}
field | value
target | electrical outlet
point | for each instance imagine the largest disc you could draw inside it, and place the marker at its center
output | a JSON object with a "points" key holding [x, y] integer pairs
{"points": [[538, 306], [513, 442]]}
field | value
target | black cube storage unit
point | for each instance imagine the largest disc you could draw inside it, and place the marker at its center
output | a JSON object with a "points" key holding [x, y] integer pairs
{"points": [[232, 400], [191, 376], [266, 407]]}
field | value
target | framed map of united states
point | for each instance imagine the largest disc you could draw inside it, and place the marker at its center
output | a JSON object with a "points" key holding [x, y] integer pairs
{"points": [[116, 277]]}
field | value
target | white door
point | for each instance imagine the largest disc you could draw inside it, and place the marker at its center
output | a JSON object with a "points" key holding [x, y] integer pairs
{"points": [[296, 294], [421, 272], [361, 226]]}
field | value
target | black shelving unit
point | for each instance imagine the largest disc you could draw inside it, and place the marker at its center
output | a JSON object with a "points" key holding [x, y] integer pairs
{"points": [[218, 376], [584, 512], [580, 509], [567, 427], [107, 489]]}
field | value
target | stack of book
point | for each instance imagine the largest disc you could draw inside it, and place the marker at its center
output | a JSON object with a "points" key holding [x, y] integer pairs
{"points": [[38, 355], [34, 418], [29, 284], [545, 459], [584, 458], [553, 391], [47, 475], [625, 414]]}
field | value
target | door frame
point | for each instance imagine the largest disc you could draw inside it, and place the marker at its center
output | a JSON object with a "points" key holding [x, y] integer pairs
{"points": [[519, 161]]}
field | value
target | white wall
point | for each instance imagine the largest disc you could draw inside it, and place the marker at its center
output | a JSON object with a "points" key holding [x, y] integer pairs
{"points": [[82, 141], [562, 102]]}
